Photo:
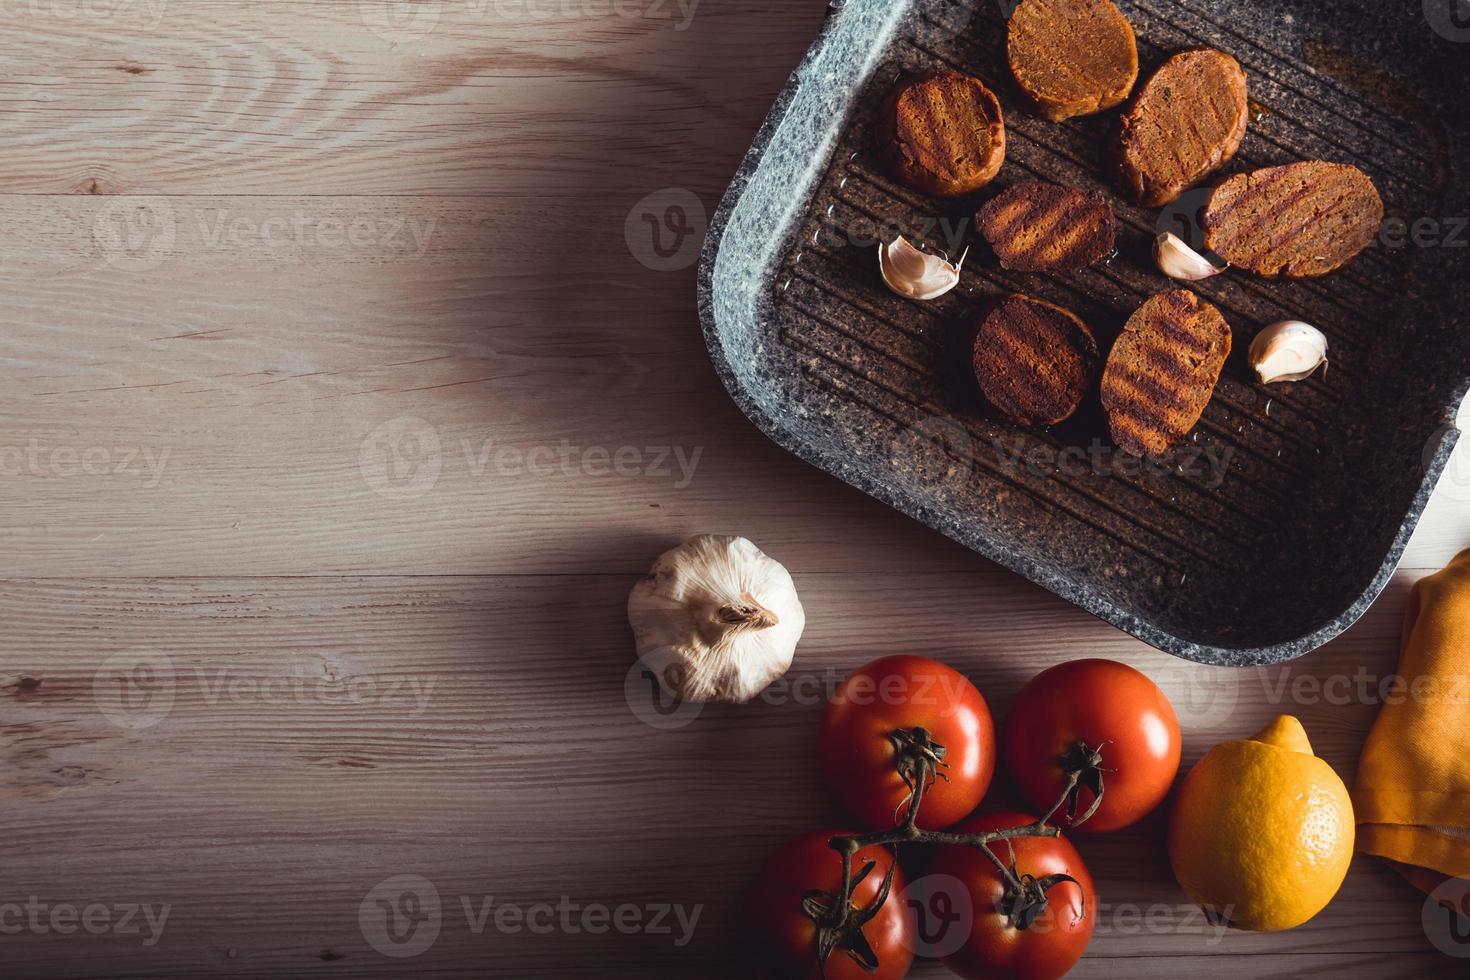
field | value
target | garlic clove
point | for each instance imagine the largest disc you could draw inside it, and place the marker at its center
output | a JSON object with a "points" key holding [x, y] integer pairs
{"points": [[716, 619], [1288, 351], [1177, 260], [916, 274]]}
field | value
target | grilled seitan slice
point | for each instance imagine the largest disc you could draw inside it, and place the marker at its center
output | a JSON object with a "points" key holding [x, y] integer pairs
{"points": [[1041, 227], [1034, 360], [1186, 122], [1072, 57], [1301, 220], [942, 134], [1162, 371]]}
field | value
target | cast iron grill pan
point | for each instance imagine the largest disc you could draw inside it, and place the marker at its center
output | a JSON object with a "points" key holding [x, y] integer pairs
{"points": [[1282, 518]]}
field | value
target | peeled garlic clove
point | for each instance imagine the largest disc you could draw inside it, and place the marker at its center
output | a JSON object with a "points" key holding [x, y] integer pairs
{"points": [[716, 619], [1177, 260], [1288, 351], [915, 274]]}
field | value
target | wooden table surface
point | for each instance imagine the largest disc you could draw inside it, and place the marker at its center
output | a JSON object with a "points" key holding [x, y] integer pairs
{"points": [[345, 396]]}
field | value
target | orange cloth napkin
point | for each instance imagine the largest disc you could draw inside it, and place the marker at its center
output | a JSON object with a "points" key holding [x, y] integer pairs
{"points": [[1412, 797]]}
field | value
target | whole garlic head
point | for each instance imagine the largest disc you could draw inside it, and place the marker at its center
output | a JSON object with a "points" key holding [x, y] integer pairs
{"points": [[1288, 351], [716, 618], [915, 274]]}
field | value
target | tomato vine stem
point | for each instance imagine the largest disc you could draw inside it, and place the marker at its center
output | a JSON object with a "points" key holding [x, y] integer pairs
{"points": [[919, 761]]}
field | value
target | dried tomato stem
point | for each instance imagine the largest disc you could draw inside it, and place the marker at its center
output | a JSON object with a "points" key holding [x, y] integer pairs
{"points": [[918, 762], [1072, 778]]}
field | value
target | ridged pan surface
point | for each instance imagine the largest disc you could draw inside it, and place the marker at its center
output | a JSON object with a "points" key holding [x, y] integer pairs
{"points": [[1284, 514]]}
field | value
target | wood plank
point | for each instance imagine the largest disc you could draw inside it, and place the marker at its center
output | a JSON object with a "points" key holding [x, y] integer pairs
{"points": [[535, 97], [474, 730], [232, 422]]}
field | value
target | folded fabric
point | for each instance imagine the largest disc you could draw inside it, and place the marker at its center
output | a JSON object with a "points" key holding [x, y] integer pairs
{"points": [[1412, 797]]}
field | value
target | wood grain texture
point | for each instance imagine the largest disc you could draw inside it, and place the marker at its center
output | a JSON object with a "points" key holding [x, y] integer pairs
{"points": [[244, 355], [340, 413], [308, 739], [481, 97]]}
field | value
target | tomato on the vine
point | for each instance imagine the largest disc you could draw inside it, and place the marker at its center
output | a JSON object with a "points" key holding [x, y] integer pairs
{"points": [[1104, 720], [895, 720], [1036, 932], [807, 874]]}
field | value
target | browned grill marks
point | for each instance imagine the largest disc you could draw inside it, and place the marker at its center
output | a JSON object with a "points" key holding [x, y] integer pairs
{"points": [[1300, 220], [942, 134], [1260, 181], [1162, 371], [1041, 227], [1071, 57], [1186, 122], [1033, 361], [1142, 396]]}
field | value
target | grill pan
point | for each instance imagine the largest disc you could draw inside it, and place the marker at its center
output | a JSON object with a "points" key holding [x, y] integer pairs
{"points": [[1284, 516]]}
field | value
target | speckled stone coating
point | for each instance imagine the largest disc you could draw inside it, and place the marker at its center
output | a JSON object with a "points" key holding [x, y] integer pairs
{"points": [[1256, 559]]}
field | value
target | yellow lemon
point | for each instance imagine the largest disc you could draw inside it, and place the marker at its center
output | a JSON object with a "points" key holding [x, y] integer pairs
{"points": [[1262, 830]]}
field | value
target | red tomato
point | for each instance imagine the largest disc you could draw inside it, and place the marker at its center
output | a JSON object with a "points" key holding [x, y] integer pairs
{"points": [[1108, 707], [786, 937], [859, 755], [995, 948]]}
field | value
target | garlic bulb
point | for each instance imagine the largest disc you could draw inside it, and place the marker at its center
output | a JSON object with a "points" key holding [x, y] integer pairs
{"points": [[1177, 260], [716, 619], [915, 274], [1288, 351]]}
